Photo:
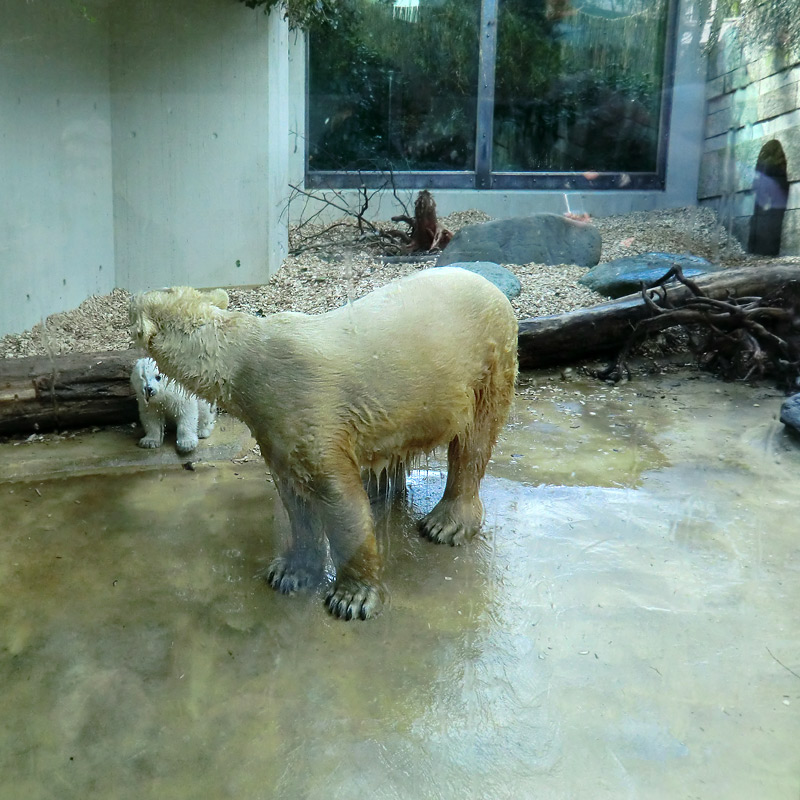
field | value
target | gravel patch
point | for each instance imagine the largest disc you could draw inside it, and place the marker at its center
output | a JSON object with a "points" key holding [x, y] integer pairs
{"points": [[693, 230], [99, 323], [312, 284]]}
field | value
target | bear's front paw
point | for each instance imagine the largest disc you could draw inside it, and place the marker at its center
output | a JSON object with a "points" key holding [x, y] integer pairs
{"points": [[186, 443], [288, 577], [149, 442], [205, 433], [352, 599]]}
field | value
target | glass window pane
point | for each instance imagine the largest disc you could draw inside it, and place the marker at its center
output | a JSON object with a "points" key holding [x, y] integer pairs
{"points": [[578, 85], [394, 85]]}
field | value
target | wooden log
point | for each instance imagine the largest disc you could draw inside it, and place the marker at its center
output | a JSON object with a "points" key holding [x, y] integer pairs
{"points": [[603, 329], [69, 391], [81, 389]]}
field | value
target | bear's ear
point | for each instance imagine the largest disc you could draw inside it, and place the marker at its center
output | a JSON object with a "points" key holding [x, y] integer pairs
{"points": [[142, 328], [218, 297]]}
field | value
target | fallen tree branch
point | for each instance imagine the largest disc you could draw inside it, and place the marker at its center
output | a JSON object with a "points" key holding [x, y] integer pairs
{"points": [[603, 329], [424, 234], [730, 336], [354, 217], [80, 389]]}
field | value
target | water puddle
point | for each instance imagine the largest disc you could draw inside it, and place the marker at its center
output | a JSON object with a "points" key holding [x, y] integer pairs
{"points": [[625, 626]]}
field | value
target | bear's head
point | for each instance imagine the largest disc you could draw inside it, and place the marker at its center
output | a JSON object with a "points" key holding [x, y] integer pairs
{"points": [[180, 309], [182, 329], [146, 379]]}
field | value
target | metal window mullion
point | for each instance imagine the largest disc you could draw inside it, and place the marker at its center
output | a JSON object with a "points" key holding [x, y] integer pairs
{"points": [[484, 131], [667, 88]]}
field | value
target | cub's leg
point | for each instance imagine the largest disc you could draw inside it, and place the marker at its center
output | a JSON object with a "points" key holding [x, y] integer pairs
{"points": [[152, 420], [303, 562], [206, 417], [186, 422]]}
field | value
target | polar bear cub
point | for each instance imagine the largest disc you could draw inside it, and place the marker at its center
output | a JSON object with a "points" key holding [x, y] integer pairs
{"points": [[163, 400]]}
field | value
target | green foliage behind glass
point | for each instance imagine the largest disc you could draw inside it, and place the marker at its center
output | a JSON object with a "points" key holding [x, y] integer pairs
{"points": [[761, 23], [300, 13], [388, 91], [578, 91]]}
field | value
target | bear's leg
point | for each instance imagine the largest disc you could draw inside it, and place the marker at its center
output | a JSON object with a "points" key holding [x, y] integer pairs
{"points": [[152, 420], [206, 417], [186, 422], [458, 515], [357, 593], [303, 562]]}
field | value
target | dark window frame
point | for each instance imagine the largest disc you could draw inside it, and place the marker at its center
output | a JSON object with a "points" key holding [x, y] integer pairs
{"points": [[483, 177]]}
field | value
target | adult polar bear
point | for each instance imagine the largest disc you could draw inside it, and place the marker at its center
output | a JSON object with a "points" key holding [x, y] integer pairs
{"points": [[426, 361]]}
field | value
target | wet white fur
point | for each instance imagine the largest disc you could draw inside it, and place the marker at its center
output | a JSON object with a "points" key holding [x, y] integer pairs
{"points": [[161, 401], [426, 361]]}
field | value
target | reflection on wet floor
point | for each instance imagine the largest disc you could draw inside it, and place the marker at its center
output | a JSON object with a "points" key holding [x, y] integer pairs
{"points": [[626, 626]]}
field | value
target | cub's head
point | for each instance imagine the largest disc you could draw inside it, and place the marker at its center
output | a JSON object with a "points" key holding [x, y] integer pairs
{"points": [[146, 380], [180, 310]]}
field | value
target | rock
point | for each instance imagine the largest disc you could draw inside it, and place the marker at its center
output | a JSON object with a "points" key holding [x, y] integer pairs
{"points": [[505, 280], [538, 238], [790, 413], [624, 275]]}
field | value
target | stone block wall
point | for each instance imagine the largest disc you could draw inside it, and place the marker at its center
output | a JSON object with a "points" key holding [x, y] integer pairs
{"points": [[753, 98]]}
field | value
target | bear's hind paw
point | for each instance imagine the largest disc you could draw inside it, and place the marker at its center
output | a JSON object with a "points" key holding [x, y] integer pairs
{"points": [[354, 600], [443, 527], [288, 578], [149, 442]]}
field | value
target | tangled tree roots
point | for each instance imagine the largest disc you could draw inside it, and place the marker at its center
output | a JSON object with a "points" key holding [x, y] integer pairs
{"points": [[425, 234], [744, 338]]}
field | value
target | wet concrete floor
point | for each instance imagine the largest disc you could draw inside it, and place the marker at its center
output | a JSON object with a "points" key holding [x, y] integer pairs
{"points": [[625, 627]]}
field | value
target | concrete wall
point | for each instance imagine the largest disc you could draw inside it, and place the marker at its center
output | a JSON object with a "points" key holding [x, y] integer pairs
{"points": [[56, 221], [142, 144], [683, 154], [753, 97], [192, 89]]}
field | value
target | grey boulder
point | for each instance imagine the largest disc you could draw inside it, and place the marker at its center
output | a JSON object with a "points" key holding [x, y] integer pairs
{"points": [[537, 239], [624, 275], [790, 413], [505, 280]]}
